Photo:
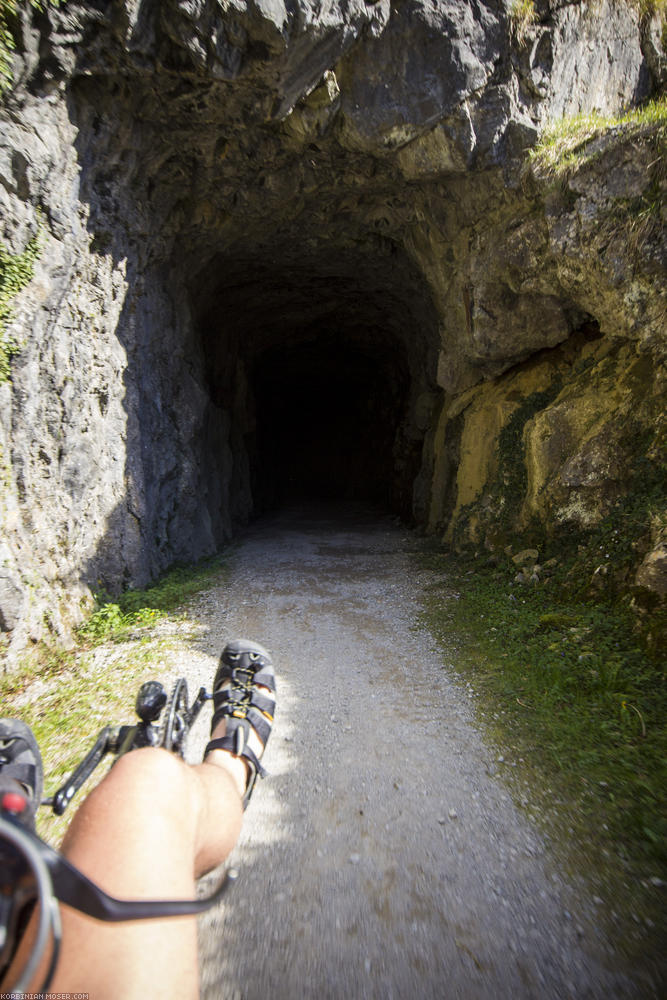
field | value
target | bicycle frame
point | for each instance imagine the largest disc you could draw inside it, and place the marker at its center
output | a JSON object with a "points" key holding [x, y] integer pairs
{"points": [[121, 739]]}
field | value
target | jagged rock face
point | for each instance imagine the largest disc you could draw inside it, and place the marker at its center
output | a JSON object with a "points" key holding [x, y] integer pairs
{"points": [[281, 243]]}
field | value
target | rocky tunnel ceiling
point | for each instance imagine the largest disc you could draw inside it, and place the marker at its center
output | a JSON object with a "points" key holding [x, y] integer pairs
{"points": [[317, 327], [341, 267]]}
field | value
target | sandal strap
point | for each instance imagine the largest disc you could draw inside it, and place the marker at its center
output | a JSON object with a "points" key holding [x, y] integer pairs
{"points": [[230, 742], [11, 745], [234, 702], [266, 678], [257, 720], [244, 667]]}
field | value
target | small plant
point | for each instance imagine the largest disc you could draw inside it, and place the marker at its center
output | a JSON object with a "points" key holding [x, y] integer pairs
{"points": [[522, 15], [8, 11], [115, 619], [16, 271], [106, 621]]}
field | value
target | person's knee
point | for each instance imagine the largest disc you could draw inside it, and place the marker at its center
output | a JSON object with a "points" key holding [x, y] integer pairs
{"points": [[147, 794], [153, 775]]}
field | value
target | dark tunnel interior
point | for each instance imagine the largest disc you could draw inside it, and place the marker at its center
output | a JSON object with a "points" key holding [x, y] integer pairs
{"points": [[328, 414], [321, 363]]}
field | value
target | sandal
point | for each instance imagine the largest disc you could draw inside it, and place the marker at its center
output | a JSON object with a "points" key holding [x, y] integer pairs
{"points": [[21, 769], [244, 666]]}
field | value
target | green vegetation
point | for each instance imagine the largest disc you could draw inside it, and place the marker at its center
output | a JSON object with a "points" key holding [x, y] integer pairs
{"points": [[16, 271], [8, 12], [565, 145], [522, 15], [573, 694], [7, 8], [650, 7], [134, 609], [67, 697]]}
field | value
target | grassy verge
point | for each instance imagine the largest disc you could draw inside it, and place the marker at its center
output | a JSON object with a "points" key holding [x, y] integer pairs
{"points": [[115, 619], [68, 697], [576, 705]]}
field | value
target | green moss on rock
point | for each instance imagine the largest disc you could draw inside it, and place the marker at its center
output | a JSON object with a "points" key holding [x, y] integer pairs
{"points": [[16, 271]]}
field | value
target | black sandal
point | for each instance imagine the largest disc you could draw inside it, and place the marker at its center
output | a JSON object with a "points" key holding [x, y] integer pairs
{"points": [[244, 666], [21, 769]]}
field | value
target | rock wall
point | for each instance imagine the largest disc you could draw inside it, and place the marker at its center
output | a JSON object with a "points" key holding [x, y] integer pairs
{"points": [[593, 256], [226, 190]]}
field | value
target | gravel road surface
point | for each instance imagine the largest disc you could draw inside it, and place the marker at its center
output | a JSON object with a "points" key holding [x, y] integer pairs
{"points": [[382, 857]]}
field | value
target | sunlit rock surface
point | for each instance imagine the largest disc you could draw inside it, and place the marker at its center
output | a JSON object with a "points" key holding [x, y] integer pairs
{"points": [[290, 250]]}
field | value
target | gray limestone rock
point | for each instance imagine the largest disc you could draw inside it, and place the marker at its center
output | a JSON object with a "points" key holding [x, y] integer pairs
{"points": [[249, 212]]}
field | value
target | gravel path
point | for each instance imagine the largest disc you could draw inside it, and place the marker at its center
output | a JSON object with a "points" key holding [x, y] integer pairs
{"points": [[382, 858]]}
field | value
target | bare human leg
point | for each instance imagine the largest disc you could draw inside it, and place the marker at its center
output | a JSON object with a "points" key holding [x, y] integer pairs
{"points": [[149, 830]]}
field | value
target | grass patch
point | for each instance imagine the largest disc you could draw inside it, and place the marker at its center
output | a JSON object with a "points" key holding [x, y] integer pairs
{"points": [[565, 145], [522, 15], [67, 700], [68, 697], [116, 619], [570, 691]]}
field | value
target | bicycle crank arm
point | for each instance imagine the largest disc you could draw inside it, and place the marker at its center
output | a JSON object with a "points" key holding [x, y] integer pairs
{"points": [[106, 743]]}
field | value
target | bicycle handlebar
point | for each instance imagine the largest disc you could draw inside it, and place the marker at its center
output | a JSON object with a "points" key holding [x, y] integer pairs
{"points": [[75, 889]]}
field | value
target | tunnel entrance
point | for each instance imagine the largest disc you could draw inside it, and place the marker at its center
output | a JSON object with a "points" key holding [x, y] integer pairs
{"points": [[321, 364]]}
